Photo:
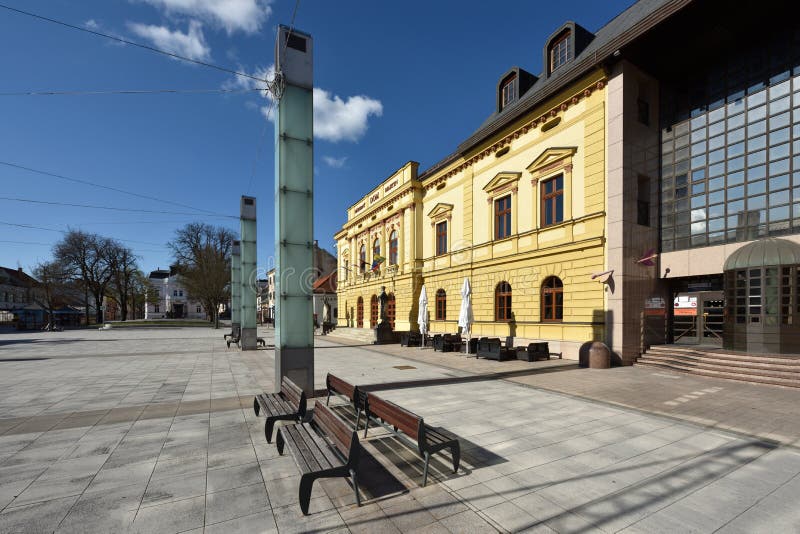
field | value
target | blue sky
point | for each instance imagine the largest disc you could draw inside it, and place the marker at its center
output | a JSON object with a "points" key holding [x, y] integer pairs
{"points": [[395, 81]]}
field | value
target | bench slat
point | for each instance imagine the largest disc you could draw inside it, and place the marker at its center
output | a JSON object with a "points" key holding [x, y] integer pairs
{"points": [[321, 450], [338, 385], [290, 390], [296, 439], [337, 430], [395, 415]]}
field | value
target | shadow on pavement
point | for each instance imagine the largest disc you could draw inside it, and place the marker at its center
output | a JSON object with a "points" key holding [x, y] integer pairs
{"points": [[465, 379]]}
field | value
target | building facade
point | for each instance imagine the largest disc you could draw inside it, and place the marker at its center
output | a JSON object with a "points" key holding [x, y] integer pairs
{"points": [[603, 196], [169, 299]]}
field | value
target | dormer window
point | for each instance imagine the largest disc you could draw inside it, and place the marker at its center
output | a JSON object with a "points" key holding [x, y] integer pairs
{"points": [[559, 51], [509, 91]]}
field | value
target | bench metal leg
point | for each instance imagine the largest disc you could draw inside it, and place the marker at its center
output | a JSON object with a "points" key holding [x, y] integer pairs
{"points": [[354, 476], [306, 482], [279, 442], [268, 426], [358, 418], [425, 469], [455, 450], [256, 407]]}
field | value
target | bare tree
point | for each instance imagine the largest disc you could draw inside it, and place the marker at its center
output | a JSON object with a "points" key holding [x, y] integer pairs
{"points": [[202, 256], [87, 260], [51, 290], [123, 266]]}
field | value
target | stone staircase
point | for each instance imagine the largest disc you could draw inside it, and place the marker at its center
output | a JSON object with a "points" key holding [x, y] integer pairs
{"points": [[775, 369], [363, 335]]}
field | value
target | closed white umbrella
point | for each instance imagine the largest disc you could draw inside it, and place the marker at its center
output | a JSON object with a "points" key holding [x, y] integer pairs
{"points": [[465, 317], [422, 315]]}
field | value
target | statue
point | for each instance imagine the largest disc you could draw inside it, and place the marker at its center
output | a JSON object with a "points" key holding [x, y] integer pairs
{"points": [[383, 330], [383, 298]]}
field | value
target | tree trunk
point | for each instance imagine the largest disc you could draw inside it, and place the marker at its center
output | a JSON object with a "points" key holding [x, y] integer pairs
{"points": [[98, 302], [86, 303]]}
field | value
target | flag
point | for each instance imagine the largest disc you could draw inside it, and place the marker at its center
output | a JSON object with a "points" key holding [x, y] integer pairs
{"points": [[648, 259], [376, 262]]}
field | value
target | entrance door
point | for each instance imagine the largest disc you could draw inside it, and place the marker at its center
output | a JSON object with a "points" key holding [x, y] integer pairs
{"points": [[697, 318], [390, 310], [360, 313]]}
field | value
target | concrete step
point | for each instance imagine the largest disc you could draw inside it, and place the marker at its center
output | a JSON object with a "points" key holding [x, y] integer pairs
{"points": [[685, 363], [777, 369], [699, 359], [365, 335], [742, 377], [779, 359]]}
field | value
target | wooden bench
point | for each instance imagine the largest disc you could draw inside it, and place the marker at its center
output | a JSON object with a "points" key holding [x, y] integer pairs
{"points": [[233, 339], [310, 446], [356, 397], [287, 405], [260, 341], [412, 428]]}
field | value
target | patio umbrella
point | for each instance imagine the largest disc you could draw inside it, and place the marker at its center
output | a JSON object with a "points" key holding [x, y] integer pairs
{"points": [[465, 317], [422, 315]]}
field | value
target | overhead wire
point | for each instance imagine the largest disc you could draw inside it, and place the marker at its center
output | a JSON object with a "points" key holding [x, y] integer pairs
{"points": [[33, 227], [133, 92], [132, 43], [115, 189], [90, 206]]}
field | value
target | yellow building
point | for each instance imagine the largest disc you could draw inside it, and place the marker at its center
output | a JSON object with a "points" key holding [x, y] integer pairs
{"points": [[521, 209]]}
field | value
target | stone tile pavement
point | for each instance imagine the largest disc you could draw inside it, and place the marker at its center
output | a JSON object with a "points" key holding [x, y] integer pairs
{"points": [[153, 431]]}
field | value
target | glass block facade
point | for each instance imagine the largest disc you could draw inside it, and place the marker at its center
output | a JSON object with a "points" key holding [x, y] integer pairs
{"points": [[730, 148]]}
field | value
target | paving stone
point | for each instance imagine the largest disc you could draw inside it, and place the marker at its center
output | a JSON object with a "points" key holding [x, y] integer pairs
{"points": [[46, 490], [233, 477], [467, 521], [235, 503], [259, 523], [39, 517], [172, 517], [115, 477], [175, 488], [179, 466], [112, 510]]}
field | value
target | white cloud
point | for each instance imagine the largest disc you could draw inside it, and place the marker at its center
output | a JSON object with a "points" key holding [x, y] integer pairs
{"points": [[335, 119], [342, 120], [233, 15], [191, 44], [91, 24], [336, 163]]}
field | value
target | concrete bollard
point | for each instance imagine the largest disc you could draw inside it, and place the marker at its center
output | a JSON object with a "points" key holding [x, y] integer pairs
{"points": [[599, 356]]}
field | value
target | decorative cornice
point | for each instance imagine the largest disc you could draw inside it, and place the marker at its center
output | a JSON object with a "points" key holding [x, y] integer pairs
{"points": [[535, 122]]}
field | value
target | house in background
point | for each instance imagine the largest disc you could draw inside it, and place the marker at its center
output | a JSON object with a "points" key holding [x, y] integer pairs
{"points": [[170, 300]]}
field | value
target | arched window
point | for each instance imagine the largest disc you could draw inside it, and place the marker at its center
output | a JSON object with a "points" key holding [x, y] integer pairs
{"points": [[502, 302], [393, 248], [376, 248], [552, 299], [441, 305], [360, 313], [390, 310], [362, 259], [373, 311]]}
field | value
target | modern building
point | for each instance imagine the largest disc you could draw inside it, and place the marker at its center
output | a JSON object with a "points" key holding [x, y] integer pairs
{"points": [[170, 300], [602, 197]]}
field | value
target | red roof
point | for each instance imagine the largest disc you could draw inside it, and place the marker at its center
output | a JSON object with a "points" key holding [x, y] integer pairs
{"points": [[326, 284]]}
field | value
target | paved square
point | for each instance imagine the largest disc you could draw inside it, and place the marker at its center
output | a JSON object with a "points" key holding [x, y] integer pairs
{"points": [[152, 430]]}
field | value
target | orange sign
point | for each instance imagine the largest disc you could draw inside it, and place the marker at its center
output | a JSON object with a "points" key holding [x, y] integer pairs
{"points": [[685, 311]]}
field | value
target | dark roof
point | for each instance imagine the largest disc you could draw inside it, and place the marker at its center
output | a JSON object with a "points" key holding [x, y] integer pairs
{"points": [[159, 274], [326, 284], [620, 31], [16, 277]]}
